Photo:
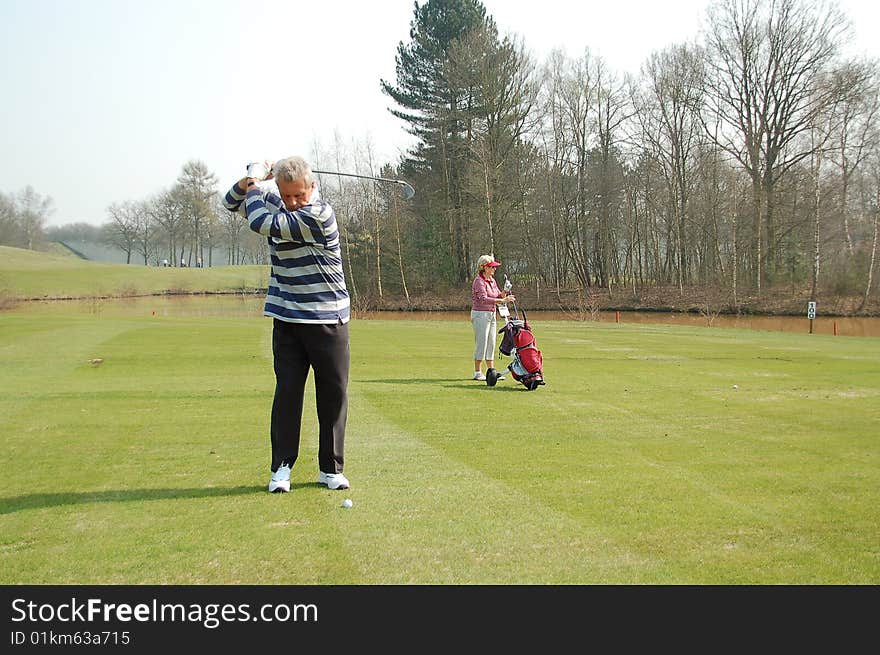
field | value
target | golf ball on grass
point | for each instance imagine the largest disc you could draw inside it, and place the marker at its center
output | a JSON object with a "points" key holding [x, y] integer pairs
{"points": [[347, 503]]}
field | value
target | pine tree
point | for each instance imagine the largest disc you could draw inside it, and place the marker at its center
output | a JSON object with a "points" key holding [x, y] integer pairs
{"points": [[432, 108]]}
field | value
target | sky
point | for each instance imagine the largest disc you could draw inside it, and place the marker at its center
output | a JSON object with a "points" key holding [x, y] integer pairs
{"points": [[106, 100]]}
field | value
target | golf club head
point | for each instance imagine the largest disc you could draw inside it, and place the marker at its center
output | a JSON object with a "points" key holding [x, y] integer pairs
{"points": [[491, 377], [408, 192]]}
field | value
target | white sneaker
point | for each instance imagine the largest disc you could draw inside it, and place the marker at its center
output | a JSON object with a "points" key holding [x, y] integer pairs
{"points": [[280, 481], [333, 480], [479, 376]]}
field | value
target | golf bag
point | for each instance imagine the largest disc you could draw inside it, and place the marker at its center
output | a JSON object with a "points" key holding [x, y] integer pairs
{"points": [[518, 342]]}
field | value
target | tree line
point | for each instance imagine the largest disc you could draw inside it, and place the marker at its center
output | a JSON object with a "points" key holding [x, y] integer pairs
{"points": [[743, 161], [749, 160]]}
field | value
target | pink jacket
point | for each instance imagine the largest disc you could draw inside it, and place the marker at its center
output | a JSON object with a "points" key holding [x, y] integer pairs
{"points": [[482, 292]]}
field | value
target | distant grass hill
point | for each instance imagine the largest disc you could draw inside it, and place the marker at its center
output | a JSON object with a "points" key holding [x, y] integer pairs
{"points": [[27, 274]]}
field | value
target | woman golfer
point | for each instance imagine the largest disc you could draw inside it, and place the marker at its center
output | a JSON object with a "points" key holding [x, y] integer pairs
{"points": [[485, 298]]}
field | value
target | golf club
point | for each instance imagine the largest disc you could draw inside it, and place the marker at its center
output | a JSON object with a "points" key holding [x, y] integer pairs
{"points": [[408, 191], [508, 287]]}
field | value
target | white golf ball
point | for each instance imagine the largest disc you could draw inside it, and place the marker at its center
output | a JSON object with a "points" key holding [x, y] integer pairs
{"points": [[735, 387], [347, 502]]}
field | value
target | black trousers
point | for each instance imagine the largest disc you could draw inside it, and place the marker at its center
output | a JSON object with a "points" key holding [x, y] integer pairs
{"points": [[297, 347]]}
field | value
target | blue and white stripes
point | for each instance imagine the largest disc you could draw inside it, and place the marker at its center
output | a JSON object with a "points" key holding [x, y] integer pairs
{"points": [[306, 284]]}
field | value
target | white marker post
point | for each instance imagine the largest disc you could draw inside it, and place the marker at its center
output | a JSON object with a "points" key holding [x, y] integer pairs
{"points": [[811, 313]]}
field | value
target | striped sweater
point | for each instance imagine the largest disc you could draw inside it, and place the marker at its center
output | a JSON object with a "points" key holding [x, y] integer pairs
{"points": [[306, 283]]}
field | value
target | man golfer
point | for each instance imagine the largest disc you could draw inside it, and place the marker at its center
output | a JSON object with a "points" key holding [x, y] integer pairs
{"points": [[309, 304]]}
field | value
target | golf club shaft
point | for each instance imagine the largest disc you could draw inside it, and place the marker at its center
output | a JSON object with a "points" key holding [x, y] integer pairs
{"points": [[408, 191], [363, 177]]}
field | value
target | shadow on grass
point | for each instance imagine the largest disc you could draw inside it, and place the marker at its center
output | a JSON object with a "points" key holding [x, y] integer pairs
{"points": [[12, 504], [446, 383], [411, 381]]}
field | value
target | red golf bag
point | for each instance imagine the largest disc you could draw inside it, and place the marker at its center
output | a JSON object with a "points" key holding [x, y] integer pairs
{"points": [[518, 342]]}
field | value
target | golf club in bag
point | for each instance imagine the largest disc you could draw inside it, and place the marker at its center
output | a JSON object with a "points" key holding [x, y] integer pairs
{"points": [[518, 342]]}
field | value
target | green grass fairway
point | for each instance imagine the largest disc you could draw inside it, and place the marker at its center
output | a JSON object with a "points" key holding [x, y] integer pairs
{"points": [[638, 462]]}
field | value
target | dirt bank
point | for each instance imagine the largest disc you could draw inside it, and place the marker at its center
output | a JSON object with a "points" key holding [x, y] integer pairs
{"points": [[778, 301]]}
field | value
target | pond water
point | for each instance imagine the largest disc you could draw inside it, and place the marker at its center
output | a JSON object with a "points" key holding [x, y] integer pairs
{"points": [[854, 327], [244, 306]]}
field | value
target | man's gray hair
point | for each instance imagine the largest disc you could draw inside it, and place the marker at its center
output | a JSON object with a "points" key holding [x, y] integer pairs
{"points": [[292, 169]]}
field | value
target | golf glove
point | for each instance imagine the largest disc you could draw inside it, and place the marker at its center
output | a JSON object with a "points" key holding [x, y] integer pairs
{"points": [[258, 170]]}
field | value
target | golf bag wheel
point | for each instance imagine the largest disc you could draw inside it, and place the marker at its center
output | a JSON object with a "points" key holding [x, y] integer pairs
{"points": [[491, 377], [533, 382]]}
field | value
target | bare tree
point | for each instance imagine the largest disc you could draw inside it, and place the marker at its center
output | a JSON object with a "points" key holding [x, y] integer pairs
{"points": [[198, 187], [613, 110], [365, 154], [33, 211], [874, 179], [557, 149], [574, 102], [169, 211], [232, 229], [145, 239], [123, 230], [768, 63], [396, 212], [345, 205], [503, 91], [667, 111], [11, 231], [839, 119], [856, 133]]}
